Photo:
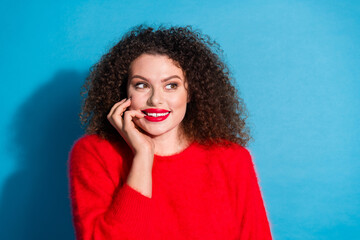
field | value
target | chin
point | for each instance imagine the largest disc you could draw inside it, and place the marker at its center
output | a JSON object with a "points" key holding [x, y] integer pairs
{"points": [[149, 130], [154, 132]]}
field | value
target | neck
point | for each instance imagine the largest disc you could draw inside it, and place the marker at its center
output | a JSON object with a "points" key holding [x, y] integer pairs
{"points": [[169, 144]]}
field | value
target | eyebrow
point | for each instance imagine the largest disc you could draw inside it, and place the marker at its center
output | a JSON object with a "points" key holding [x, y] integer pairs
{"points": [[163, 80]]}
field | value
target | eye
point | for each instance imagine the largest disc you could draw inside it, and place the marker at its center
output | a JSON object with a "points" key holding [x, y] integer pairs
{"points": [[140, 85], [171, 86]]}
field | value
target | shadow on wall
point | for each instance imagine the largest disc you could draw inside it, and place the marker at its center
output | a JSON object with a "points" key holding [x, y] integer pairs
{"points": [[35, 201]]}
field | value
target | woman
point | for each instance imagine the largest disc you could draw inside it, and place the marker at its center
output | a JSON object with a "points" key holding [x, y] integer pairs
{"points": [[164, 154]]}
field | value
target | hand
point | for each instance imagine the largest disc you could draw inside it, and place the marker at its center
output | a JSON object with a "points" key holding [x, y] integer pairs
{"points": [[122, 121]]}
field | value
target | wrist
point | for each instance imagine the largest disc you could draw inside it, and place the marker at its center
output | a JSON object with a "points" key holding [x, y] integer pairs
{"points": [[144, 157], [144, 151]]}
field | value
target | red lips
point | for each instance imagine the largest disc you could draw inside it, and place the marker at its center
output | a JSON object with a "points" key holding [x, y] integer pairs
{"points": [[156, 114]]}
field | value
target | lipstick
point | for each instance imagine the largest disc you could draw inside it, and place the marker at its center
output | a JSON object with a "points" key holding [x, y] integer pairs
{"points": [[156, 114]]}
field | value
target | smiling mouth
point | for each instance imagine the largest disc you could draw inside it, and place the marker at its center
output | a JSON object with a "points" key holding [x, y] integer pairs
{"points": [[155, 114]]}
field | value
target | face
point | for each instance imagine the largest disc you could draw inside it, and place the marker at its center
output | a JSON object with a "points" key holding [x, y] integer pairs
{"points": [[158, 88]]}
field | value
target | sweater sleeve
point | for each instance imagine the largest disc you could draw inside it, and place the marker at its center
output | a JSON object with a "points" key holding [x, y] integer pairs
{"points": [[254, 222], [102, 210]]}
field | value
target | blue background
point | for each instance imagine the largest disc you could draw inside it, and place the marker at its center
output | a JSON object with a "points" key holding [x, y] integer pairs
{"points": [[296, 64]]}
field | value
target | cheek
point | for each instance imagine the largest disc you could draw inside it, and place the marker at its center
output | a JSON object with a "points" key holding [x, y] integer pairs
{"points": [[180, 101], [137, 101], [179, 107]]}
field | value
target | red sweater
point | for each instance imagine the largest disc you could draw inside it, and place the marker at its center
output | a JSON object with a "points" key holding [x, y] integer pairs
{"points": [[200, 193]]}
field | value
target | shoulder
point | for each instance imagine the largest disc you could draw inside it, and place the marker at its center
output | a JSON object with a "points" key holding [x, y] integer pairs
{"points": [[231, 150], [94, 143], [233, 157], [89, 148], [88, 141]]}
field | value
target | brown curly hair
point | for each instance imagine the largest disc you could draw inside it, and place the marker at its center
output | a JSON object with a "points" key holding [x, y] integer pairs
{"points": [[215, 113]]}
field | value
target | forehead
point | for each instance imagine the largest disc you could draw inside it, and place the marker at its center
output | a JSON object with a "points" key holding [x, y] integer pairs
{"points": [[155, 65]]}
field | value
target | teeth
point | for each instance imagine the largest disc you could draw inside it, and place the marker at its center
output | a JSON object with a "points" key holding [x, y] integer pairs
{"points": [[157, 114]]}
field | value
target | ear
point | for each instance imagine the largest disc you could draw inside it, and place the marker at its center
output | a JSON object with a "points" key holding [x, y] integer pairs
{"points": [[188, 92]]}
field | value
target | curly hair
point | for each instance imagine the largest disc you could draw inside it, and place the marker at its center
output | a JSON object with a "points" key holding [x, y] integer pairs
{"points": [[215, 113]]}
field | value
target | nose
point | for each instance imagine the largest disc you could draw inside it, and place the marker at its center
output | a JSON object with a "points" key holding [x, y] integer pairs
{"points": [[156, 97]]}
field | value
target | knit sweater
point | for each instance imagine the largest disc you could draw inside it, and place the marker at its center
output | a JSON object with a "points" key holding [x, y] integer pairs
{"points": [[200, 193]]}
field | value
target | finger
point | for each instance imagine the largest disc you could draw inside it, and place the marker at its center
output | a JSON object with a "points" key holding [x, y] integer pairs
{"points": [[119, 111], [139, 114], [129, 115], [116, 106]]}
